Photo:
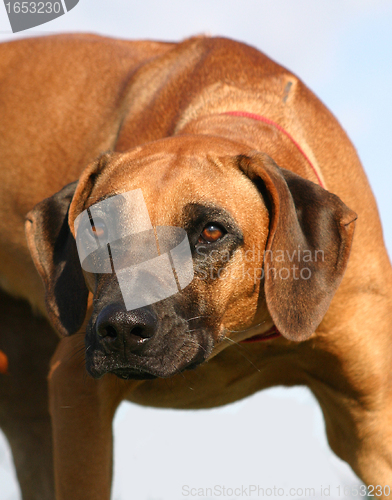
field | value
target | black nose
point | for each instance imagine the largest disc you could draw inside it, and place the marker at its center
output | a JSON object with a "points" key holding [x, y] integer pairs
{"points": [[133, 328]]}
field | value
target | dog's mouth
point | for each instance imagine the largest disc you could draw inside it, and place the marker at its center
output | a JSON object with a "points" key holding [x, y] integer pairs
{"points": [[133, 374], [100, 364], [170, 356]]}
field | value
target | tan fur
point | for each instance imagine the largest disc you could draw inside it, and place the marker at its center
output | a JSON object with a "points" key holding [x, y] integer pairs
{"points": [[71, 97]]}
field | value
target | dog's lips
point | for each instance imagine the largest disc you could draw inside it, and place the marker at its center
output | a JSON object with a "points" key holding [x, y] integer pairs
{"points": [[98, 367], [132, 374], [137, 367]]}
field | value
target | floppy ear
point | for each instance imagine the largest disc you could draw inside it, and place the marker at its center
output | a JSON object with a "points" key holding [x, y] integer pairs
{"points": [[55, 256], [308, 246]]}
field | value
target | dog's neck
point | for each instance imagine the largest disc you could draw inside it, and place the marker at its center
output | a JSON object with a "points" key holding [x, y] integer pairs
{"points": [[282, 130], [260, 133]]}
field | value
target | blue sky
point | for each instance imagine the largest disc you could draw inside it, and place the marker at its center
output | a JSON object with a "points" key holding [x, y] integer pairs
{"points": [[343, 51]]}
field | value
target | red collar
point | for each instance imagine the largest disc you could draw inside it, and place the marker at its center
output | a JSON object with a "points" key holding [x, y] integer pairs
{"points": [[268, 335], [259, 118], [273, 332]]}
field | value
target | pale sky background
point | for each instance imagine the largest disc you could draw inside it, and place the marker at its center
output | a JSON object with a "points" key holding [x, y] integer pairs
{"points": [[343, 51]]}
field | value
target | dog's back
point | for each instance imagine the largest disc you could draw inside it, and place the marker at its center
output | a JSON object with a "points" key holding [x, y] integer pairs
{"points": [[67, 98], [61, 105]]}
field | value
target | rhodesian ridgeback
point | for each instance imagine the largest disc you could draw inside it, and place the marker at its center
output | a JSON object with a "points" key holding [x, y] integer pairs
{"points": [[183, 204]]}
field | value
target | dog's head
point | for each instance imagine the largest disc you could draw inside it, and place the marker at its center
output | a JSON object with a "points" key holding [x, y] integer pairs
{"points": [[258, 244]]}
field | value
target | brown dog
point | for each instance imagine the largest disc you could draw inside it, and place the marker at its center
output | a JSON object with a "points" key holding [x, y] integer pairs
{"points": [[236, 151]]}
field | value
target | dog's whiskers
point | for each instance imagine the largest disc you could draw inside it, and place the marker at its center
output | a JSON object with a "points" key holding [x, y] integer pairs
{"points": [[198, 317], [194, 330], [77, 350], [194, 342], [245, 329], [179, 372], [239, 346]]}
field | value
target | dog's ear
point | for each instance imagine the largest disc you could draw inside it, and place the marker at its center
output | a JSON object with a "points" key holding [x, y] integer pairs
{"points": [[53, 249], [309, 241]]}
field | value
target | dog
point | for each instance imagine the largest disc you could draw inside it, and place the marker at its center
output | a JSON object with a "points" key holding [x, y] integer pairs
{"points": [[246, 171]]}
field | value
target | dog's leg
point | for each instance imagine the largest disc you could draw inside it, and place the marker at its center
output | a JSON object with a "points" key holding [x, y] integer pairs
{"points": [[82, 411], [28, 343], [348, 367]]}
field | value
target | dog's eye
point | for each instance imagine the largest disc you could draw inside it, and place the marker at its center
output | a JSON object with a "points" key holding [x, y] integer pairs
{"points": [[98, 228], [211, 233]]}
